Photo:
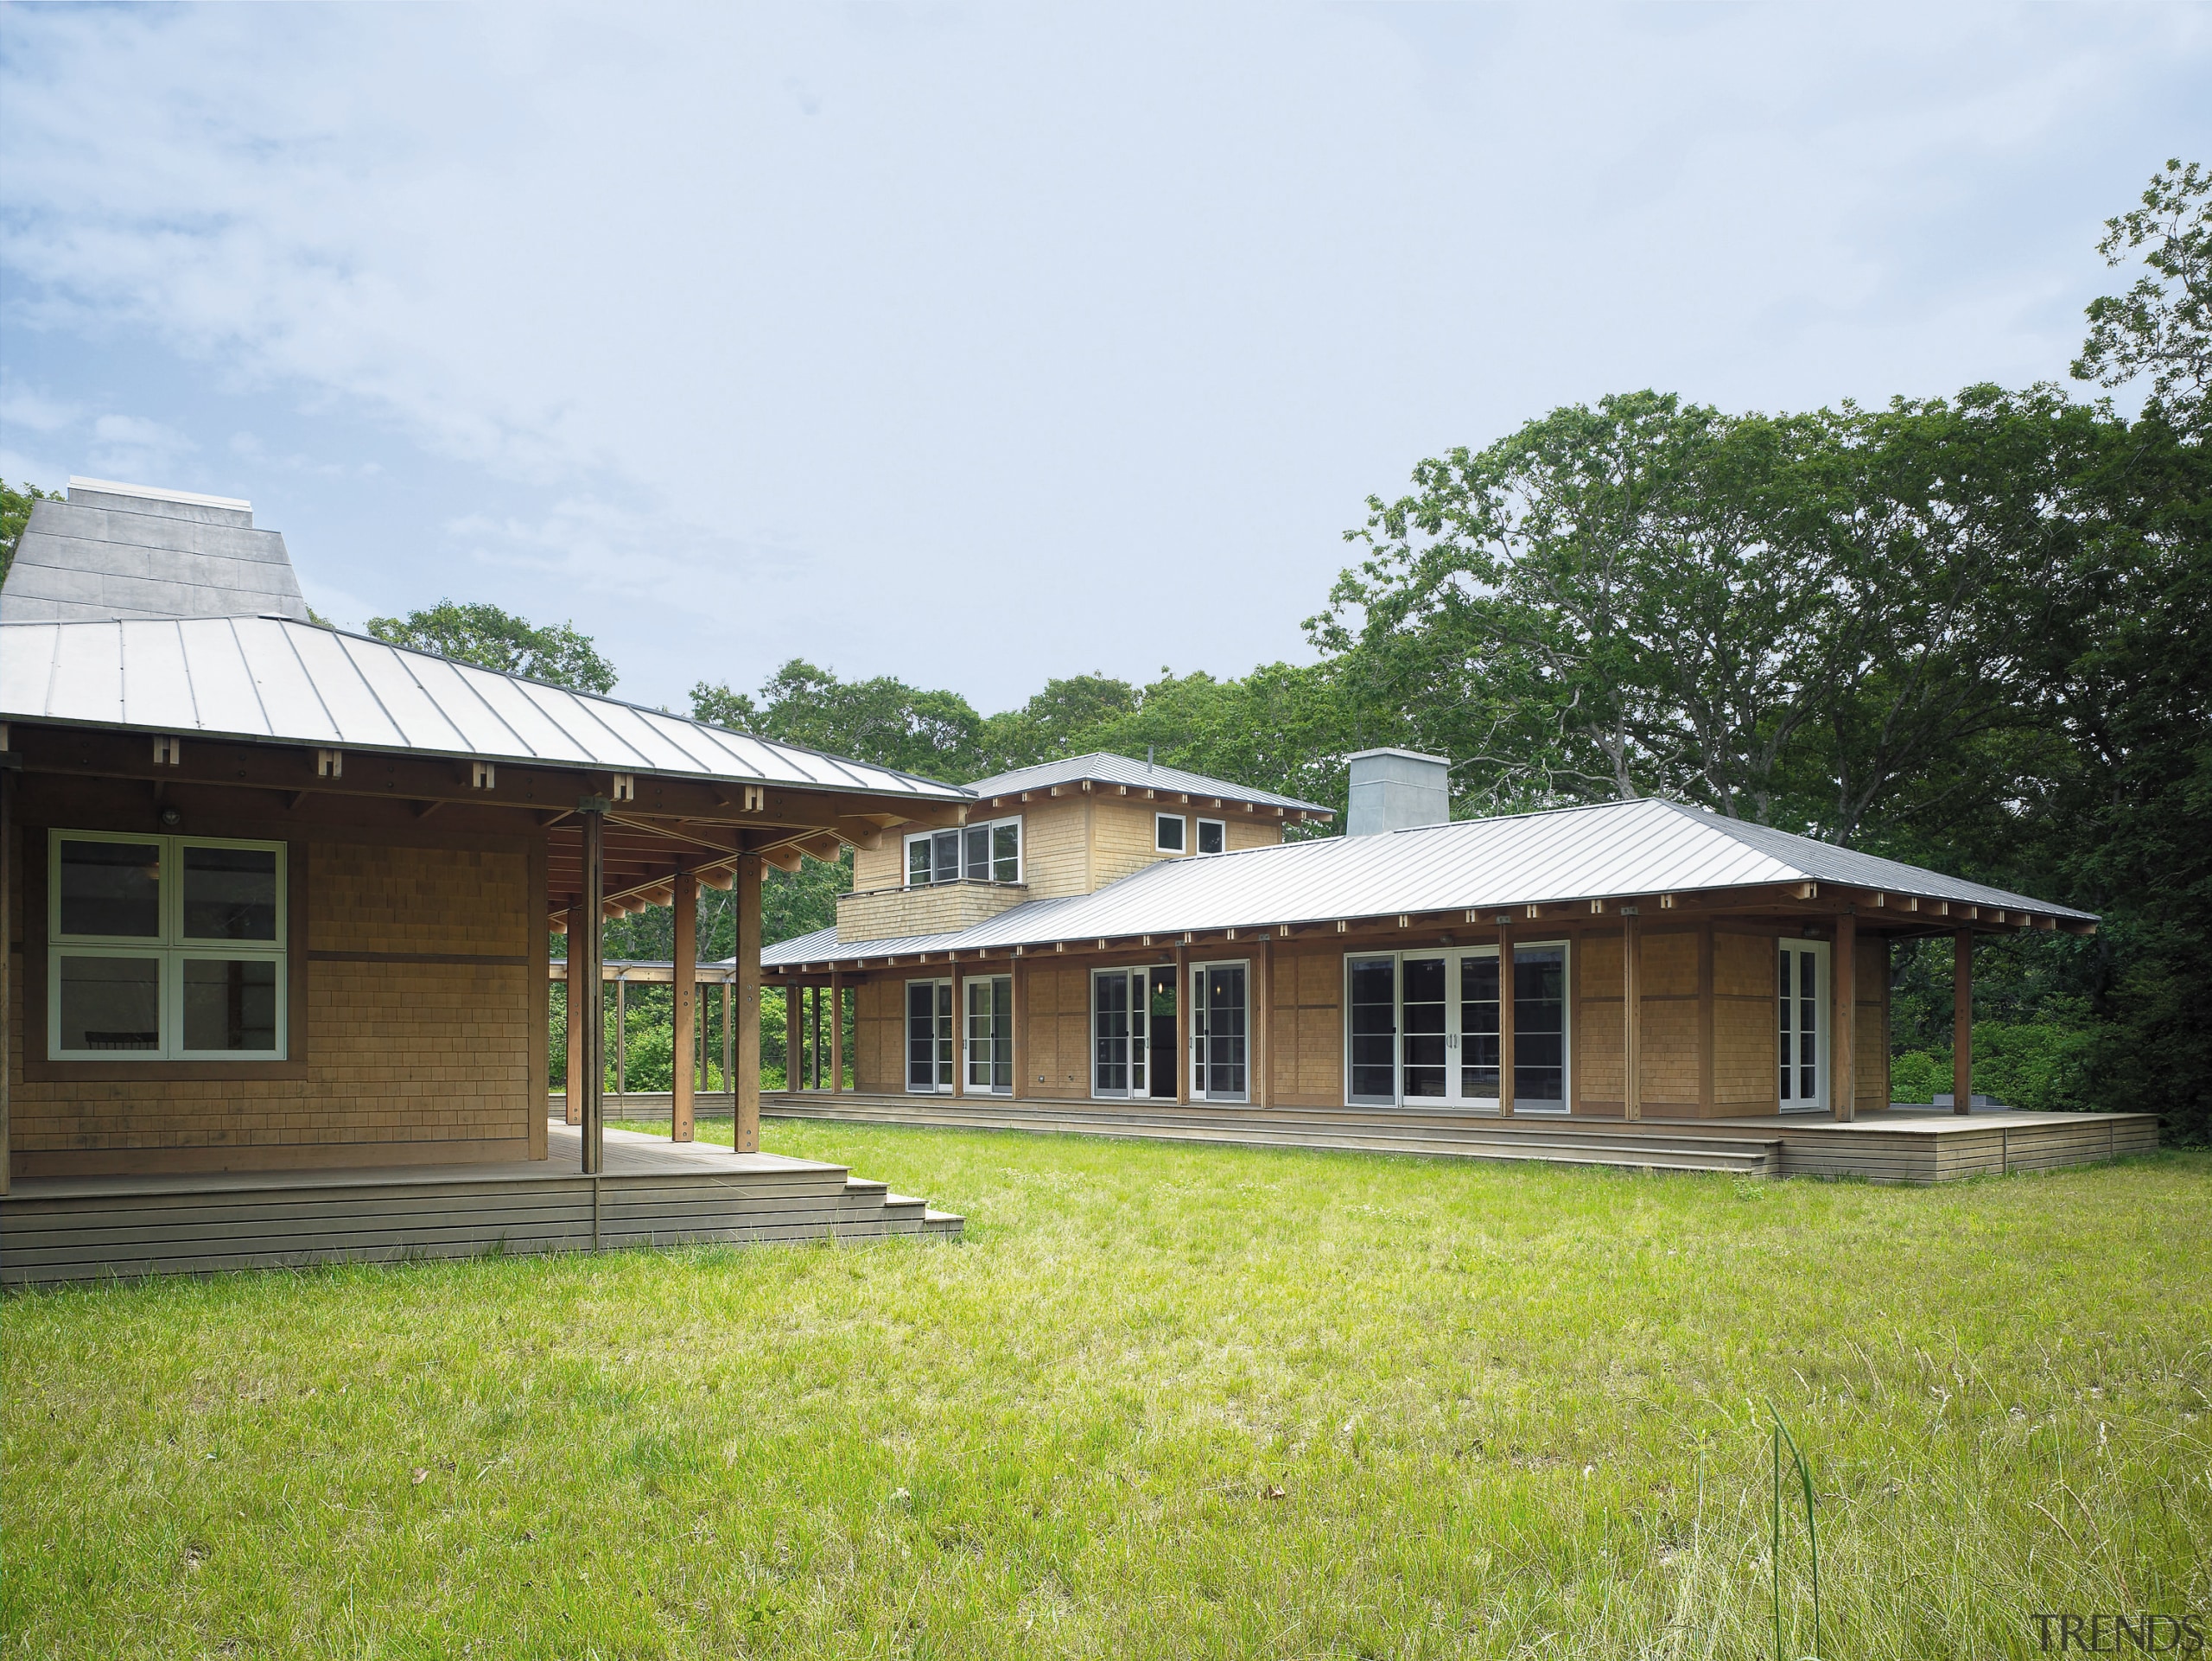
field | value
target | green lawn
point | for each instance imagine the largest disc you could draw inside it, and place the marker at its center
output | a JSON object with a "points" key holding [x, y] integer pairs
{"points": [[1163, 1401]]}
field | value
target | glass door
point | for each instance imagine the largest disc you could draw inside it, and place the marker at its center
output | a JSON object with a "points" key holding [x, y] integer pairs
{"points": [[929, 1036], [1424, 1028], [991, 1035], [1218, 1032], [1800, 996], [1371, 1038], [1119, 1022], [1427, 1030]]}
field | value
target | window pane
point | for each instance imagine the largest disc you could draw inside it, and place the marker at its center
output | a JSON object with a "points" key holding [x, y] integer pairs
{"points": [[1005, 851], [918, 861], [978, 866], [1212, 836], [1374, 1029], [111, 887], [1478, 1026], [230, 894], [945, 856], [1170, 834], [1540, 1024], [1424, 1013], [921, 1036], [230, 1005], [111, 1003]]}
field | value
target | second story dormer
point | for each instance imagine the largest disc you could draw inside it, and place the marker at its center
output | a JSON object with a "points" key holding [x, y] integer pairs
{"points": [[1062, 828]]}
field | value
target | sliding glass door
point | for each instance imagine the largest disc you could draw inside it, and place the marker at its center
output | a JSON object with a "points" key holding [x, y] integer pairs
{"points": [[929, 1036], [1119, 1025], [1423, 1027], [1219, 1062], [1801, 1046], [991, 1035]]}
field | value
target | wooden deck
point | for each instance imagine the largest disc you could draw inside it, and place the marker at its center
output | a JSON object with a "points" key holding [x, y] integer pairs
{"points": [[1902, 1145], [653, 1192]]}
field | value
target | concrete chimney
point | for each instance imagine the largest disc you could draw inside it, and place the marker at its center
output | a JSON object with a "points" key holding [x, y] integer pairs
{"points": [[1395, 789]]}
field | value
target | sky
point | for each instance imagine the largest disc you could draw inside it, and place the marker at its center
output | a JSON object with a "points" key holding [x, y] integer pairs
{"points": [[979, 345]]}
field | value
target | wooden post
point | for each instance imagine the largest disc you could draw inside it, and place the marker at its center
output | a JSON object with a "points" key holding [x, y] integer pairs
{"points": [[571, 1090], [1263, 997], [685, 978], [959, 1032], [1843, 1021], [1504, 1020], [1184, 1041], [7, 965], [1962, 1021], [590, 1057], [621, 1035], [745, 1101], [836, 1032], [729, 1060], [1631, 1020], [794, 1046]]}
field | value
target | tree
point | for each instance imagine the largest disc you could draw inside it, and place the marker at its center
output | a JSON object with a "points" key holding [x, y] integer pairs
{"points": [[1055, 723], [15, 514], [493, 638], [883, 720], [2164, 323]]}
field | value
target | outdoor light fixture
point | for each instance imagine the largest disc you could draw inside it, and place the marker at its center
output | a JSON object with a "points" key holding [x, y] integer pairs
{"points": [[170, 816]]}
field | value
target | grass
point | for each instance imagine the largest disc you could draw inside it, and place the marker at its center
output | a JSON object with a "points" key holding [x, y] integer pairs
{"points": [[1163, 1402]]}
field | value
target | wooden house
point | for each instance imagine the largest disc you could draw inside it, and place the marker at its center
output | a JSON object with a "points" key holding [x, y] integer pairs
{"points": [[278, 902], [1115, 946]]}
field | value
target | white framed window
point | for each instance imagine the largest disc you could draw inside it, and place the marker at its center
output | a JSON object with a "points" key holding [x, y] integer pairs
{"points": [[929, 1036], [164, 948], [1421, 1028], [1800, 1011], [1213, 836], [991, 1035], [988, 852], [1167, 833]]}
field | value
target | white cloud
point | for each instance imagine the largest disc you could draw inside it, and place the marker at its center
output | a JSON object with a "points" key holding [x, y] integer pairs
{"points": [[966, 345]]}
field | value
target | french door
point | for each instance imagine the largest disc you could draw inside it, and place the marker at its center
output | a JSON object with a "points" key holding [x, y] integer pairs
{"points": [[991, 1035], [1423, 1027], [1800, 1006], [1119, 1025], [1220, 1063], [929, 1036]]}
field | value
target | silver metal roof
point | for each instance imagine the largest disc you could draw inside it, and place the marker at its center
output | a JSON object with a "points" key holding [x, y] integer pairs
{"points": [[1111, 769], [1612, 849], [270, 678], [117, 550]]}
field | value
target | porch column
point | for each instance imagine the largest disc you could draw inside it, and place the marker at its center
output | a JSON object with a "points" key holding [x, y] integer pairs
{"points": [[621, 1034], [959, 1030], [1631, 1020], [730, 1032], [1184, 1041], [836, 1032], [7, 934], [1962, 1021], [571, 1022], [1504, 1018], [1262, 1093], [589, 1057], [682, 1081], [745, 1102], [794, 1037], [1843, 1022]]}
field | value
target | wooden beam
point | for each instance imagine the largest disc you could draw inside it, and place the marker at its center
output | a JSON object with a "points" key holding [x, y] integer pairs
{"points": [[747, 1104], [1843, 1023], [685, 990], [1962, 1021], [1631, 1020]]}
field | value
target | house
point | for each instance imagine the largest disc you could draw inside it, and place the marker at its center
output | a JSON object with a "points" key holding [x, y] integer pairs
{"points": [[278, 902], [1115, 946]]}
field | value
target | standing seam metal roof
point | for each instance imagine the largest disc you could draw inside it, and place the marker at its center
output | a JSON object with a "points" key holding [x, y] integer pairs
{"points": [[272, 679], [1607, 850], [1108, 768]]}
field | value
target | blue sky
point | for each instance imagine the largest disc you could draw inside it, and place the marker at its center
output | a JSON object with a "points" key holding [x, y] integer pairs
{"points": [[976, 344]]}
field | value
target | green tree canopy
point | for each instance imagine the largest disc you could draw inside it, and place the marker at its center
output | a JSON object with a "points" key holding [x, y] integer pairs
{"points": [[884, 720], [2163, 324], [493, 638], [15, 514]]}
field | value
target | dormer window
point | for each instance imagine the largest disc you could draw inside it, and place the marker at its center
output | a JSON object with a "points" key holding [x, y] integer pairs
{"points": [[990, 852], [1167, 836], [1213, 836]]}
